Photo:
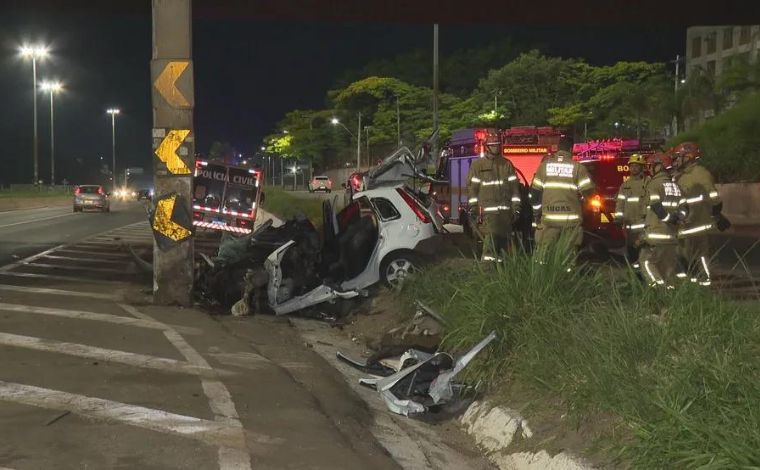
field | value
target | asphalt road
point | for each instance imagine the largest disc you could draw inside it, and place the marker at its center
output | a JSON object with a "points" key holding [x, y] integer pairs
{"points": [[25, 232]]}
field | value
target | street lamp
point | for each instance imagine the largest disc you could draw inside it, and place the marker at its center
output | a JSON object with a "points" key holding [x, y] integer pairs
{"points": [[335, 121], [35, 53], [52, 88], [113, 112]]}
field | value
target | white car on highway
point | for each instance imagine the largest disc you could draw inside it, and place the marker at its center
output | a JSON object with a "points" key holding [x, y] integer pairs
{"points": [[91, 196]]}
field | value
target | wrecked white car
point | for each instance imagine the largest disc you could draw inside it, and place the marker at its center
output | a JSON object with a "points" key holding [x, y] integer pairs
{"points": [[381, 235]]}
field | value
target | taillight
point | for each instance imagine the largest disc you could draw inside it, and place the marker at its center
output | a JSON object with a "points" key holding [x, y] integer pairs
{"points": [[100, 190], [596, 203], [421, 214], [77, 190]]}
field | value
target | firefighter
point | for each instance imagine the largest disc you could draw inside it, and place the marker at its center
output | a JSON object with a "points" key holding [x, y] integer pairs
{"points": [[705, 209], [494, 192], [630, 208], [556, 195], [666, 208]]}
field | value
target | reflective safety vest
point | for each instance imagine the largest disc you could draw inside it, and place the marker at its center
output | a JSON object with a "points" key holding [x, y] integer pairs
{"points": [[665, 205], [492, 184], [558, 188], [630, 204], [701, 196]]}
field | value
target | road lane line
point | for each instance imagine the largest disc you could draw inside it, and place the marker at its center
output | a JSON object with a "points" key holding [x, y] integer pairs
{"points": [[206, 431], [93, 316], [234, 457], [8, 267], [77, 268], [101, 354], [37, 220], [49, 291], [86, 260], [59, 278], [85, 252]]}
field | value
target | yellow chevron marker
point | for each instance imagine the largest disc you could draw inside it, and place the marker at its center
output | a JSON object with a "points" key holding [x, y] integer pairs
{"points": [[166, 83], [167, 152], [605, 220], [163, 223]]}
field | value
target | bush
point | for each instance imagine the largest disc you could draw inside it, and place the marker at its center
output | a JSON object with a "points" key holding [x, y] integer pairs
{"points": [[730, 142], [678, 369]]}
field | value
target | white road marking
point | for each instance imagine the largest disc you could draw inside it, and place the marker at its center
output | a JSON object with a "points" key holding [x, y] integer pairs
{"points": [[59, 278], [8, 267], [93, 316], [233, 457], [101, 354], [210, 432], [85, 252], [77, 268], [85, 260], [49, 291], [37, 220]]}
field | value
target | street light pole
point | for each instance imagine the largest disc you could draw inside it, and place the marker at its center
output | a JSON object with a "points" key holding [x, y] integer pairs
{"points": [[113, 112], [52, 88], [359, 142], [34, 53], [435, 91]]}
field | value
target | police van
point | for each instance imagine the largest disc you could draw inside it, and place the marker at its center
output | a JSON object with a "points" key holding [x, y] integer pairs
{"points": [[225, 197]]}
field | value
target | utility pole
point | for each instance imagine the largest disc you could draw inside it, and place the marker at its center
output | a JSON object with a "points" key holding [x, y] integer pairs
{"points": [[173, 104], [359, 142], [675, 92], [369, 161], [434, 151], [398, 122], [282, 173]]}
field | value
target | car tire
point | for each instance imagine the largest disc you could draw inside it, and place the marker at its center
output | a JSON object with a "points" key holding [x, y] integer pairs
{"points": [[397, 266]]}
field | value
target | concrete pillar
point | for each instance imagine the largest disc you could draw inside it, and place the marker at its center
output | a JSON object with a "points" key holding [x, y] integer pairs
{"points": [[173, 101]]}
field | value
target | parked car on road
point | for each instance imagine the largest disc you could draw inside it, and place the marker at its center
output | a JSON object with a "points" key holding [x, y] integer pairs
{"points": [[320, 183], [91, 196]]}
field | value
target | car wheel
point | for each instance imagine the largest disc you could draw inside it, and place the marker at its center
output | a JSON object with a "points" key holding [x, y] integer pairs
{"points": [[396, 267]]}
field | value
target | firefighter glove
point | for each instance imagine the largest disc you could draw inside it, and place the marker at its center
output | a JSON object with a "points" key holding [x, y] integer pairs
{"points": [[722, 223]]}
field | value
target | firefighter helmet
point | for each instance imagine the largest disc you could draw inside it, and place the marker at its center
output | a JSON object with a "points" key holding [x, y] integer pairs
{"points": [[493, 139], [660, 158], [637, 158], [689, 150]]}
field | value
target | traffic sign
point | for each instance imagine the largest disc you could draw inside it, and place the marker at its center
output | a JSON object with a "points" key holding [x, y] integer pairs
{"points": [[169, 146], [171, 221], [174, 82]]}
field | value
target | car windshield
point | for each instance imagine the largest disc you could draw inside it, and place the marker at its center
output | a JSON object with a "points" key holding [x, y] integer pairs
{"points": [[88, 189]]}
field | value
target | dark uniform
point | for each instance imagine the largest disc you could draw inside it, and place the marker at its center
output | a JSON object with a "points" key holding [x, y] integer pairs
{"points": [[493, 190]]}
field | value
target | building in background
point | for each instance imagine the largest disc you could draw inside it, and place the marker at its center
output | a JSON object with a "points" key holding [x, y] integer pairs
{"points": [[714, 48]]}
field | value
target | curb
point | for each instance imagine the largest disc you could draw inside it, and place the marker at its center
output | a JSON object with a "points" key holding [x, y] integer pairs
{"points": [[495, 428]]}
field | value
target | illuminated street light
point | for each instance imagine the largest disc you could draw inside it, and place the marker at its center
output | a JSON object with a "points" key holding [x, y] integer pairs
{"points": [[113, 112], [52, 88], [35, 53], [358, 137]]}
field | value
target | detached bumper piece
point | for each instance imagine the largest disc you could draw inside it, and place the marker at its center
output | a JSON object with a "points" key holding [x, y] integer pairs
{"points": [[421, 382]]}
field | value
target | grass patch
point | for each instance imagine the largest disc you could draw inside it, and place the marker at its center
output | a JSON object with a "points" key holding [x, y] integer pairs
{"points": [[30, 193], [285, 205], [677, 370]]}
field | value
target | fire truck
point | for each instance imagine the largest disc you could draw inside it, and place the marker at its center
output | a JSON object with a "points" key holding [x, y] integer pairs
{"points": [[225, 197], [607, 163]]}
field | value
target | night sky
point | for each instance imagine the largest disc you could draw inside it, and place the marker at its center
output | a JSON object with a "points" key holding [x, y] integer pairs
{"points": [[249, 70]]}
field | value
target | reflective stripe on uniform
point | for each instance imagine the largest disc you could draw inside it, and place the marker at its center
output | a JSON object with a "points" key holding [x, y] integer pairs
{"points": [[659, 236], [562, 217], [693, 230], [536, 207], [493, 183], [512, 178], [633, 199], [584, 182], [558, 185], [516, 199], [474, 180], [636, 226], [654, 197], [713, 194], [692, 200], [538, 182], [472, 200], [495, 208], [621, 196], [617, 214]]}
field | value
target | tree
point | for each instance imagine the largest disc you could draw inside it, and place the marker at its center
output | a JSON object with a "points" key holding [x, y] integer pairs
{"points": [[221, 151]]}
